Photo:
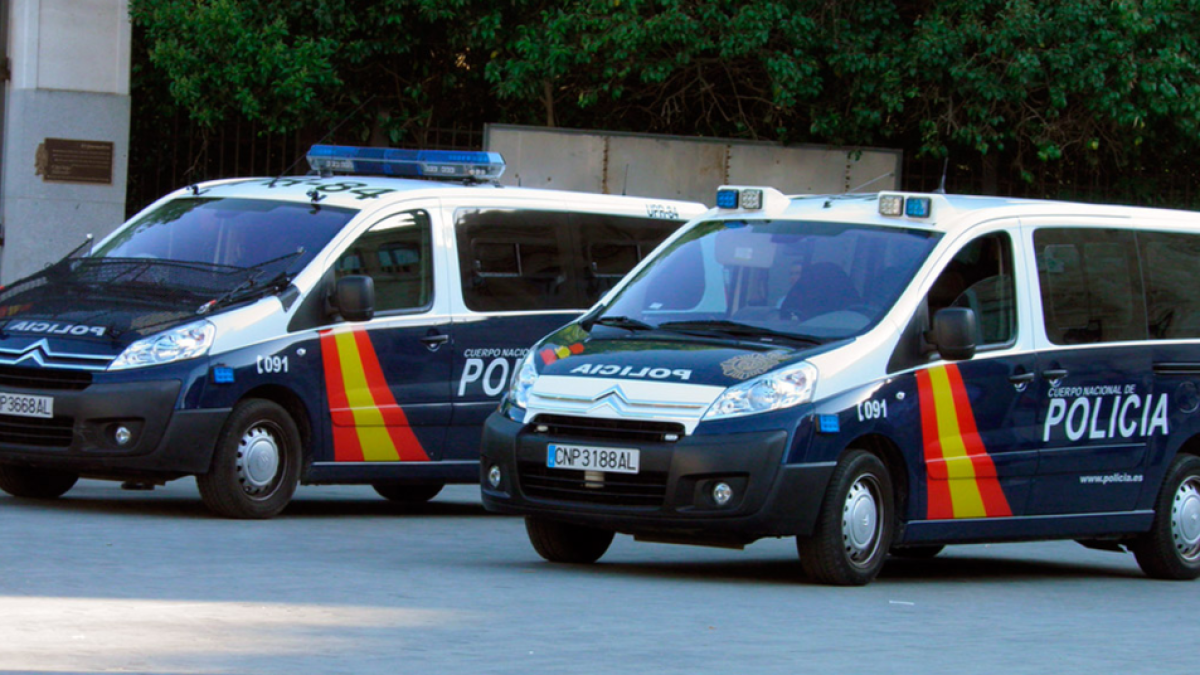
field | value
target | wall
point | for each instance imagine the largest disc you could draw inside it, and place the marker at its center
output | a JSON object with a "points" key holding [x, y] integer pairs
{"points": [[70, 80], [679, 167]]}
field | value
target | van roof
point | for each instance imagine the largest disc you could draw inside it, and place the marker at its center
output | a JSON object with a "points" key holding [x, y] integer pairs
{"points": [[360, 192], [941, 212]]}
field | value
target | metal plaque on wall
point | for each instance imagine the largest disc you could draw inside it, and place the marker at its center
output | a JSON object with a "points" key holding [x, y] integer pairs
{"points": [[72, 161]]}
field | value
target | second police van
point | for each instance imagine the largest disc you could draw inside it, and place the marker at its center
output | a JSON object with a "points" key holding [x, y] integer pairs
{"points": [[874, 374], [257, 333]]}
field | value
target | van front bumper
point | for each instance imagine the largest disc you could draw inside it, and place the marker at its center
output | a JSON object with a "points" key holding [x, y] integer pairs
{"points": [[670, 499], [81, 437]]}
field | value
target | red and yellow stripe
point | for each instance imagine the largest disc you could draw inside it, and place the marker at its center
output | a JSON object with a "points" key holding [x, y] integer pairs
{"points": [[961, 478], [368, 426]]}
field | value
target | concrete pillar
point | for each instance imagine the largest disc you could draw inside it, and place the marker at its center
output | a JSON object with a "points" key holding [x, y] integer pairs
{"points": [[66, 128]]}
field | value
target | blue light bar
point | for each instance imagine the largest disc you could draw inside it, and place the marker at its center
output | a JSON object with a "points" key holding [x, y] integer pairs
{"points": [[727, 199], [918, 207], [444, 164]]}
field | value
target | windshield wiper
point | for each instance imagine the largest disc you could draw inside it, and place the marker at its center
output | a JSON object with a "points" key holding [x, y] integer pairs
{"points": [[737, 329], [628, 323]]}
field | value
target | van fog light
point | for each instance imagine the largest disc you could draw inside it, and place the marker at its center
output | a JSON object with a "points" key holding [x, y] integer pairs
{"points": [[722, 494], [123, 435], [494, 476]]}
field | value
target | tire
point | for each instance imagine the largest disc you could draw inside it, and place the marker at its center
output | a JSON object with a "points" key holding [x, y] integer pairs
{"points": [[31, 483], [916, 552], [256, 465], [408, 494], [1171, 549], [854, 529], [564, 543]]}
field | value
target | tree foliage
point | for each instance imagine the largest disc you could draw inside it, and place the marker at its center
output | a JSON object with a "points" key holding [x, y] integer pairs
{"points": [[1028, 83]]}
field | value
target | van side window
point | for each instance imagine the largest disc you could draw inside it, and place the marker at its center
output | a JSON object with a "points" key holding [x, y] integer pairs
{"points": [[1090, 285], [1172, 305], [981, 277], [530, 260], [514, 260], [395, 252]]}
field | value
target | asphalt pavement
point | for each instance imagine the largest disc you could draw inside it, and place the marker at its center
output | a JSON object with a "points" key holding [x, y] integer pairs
{"points": [[105, 580]]}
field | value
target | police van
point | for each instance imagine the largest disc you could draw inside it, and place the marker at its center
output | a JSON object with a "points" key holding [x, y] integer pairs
{"points": [[322, 329], [873, 375]]}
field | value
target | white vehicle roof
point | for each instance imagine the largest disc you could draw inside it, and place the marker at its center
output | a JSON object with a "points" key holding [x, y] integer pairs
{"points": [[946, 213], [368, 192]]}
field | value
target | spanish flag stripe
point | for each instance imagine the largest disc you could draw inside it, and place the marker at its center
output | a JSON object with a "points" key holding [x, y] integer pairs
{"points": [[403, 441], [964, 492], [994, 502], [938, 491], [346, 447], [368, 420]]}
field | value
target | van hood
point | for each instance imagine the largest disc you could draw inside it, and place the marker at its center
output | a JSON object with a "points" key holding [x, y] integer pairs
{"points": [[660, 357]]}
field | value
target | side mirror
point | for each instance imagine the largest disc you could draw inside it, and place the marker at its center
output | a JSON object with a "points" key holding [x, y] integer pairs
{"points": [[354, 297], [955, 333]]}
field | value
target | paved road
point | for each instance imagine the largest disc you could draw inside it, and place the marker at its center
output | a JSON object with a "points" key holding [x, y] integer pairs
{"points": [[344, 582]]}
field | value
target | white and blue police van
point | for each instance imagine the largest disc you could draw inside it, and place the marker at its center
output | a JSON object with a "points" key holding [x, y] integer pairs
{"points": [[873, 375], [257, 333]]}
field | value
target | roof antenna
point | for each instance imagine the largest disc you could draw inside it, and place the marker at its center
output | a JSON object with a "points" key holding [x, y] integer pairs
{"points": [[942, 187], [873, 180], [323, 138]]}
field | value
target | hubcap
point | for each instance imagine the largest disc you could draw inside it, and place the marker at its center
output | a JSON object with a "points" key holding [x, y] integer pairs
{"points": [[1185, 519], [860, 521], [258, 460]]}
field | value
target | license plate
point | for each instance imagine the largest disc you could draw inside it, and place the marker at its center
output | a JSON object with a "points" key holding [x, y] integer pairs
{"points": [[26, 406], [591, 458]]}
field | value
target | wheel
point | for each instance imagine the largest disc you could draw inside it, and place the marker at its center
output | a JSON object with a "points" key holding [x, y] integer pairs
{"points": [[916, 552], [408, 494], [256, 465], [1171, 549], [854, 529], [564, 543], [31, 483]]}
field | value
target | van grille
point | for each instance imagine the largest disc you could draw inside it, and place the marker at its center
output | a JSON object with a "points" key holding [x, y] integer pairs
{"points": [[632, 431], [44, 378], [42, 433], [647, 489]]}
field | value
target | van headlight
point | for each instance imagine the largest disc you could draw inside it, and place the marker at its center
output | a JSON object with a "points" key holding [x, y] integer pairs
{"points": [[522, 381], [778, 389], [177, 344]]}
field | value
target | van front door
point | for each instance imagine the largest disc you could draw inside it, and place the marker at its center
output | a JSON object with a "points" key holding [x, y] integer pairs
{"points": [[388, 379], [978, 417]]}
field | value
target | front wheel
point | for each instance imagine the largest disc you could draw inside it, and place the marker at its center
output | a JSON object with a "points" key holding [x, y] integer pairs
{"points": [[408, 494], [1171, 549], [32, 483], [565, 543], [854, 530], [256, 465]]}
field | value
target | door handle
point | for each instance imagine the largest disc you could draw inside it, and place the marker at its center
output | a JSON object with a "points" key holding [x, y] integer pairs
{"points": [[1020, 381], [435, 341], [1056, 374]]}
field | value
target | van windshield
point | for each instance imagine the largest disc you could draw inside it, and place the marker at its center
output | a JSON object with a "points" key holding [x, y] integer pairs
{"points": [[228, 232], [805, 279]]}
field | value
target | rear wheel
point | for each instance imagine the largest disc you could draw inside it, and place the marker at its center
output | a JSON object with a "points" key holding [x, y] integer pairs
{"points": [[565, 543], [31, 483], [854, 530], [408, 494], [257, 462], [1171, 549]]}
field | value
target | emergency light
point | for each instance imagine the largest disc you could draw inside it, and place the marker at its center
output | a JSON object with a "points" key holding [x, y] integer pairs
{"points": [[444, 164], [731, 198], [899, 205]]}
